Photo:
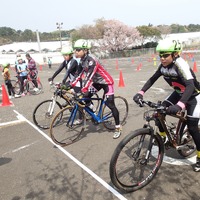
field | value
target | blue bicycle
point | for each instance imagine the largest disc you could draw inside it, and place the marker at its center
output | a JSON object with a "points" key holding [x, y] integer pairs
{"points": [[64, 130]]}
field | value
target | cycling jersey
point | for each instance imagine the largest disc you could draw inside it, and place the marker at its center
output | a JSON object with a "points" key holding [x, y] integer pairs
{"points": [[179, 76], [72, 69], [93, 72]]}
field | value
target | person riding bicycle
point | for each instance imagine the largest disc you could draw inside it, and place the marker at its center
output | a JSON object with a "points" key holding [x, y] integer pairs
{"points": [[95, 79], [72, 67], [32, 67], [23, 73], [6, 76], [186, 95]]}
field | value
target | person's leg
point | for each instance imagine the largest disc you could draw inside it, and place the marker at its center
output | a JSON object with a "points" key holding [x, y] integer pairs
{"points": [[8, 83], [33, 76], [172, 99], [110, 102], [21, 78], [193, 114]]}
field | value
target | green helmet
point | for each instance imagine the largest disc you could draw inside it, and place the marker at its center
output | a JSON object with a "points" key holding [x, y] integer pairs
{"points": [[66, 51], [168, 45], [82, 44], [5, 65]]}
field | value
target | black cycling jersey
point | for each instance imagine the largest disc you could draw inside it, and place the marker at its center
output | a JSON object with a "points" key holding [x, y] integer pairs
{"points": [[72, 68], [179, 76]]}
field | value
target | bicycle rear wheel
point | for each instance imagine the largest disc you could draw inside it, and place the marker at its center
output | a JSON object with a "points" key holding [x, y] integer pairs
{"points": [[62, 131], [122, 106], [30, 87], [44, 113], [16, 86], [131, 168], [188, 142]]}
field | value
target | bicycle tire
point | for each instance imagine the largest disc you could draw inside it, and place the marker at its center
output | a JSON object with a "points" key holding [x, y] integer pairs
{"points": [[16, 87], [62, 134], [41, 115], [40, 87], [30, 87], [122, 106], [187, 139], [129, 175]]}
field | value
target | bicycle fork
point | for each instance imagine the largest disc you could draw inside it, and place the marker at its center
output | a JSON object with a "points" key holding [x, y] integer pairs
{"points": [[145, 157], [51, 106]]}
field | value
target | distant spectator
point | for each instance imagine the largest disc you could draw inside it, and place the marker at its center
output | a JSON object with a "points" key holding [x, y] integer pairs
{"points": [[23, 72], [6, 75], [32, 67], [16, 62], [49, 63]]}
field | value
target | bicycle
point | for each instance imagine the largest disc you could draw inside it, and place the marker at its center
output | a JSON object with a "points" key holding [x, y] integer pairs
{"points": [[138, 157], [46, 110], [29, 86], [63, 131]]}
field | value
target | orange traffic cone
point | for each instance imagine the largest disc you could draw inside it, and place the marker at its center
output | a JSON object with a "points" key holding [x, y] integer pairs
{"points": [[121, 80], [195, 67], [5, 98]]}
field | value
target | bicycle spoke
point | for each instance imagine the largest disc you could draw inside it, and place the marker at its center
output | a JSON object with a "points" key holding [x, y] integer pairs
{"points": [[62, 131]]}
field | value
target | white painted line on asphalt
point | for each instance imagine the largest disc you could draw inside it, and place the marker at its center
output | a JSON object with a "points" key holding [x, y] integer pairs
{"points": [[18, 149], [20, 120], [107, 186]]}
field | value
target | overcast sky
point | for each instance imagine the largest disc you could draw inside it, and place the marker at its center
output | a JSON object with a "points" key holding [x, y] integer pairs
{"points": [[42, 15]]}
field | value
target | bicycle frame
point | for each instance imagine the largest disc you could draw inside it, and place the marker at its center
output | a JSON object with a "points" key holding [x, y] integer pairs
{"points": [[96, 117], [173, 136]]}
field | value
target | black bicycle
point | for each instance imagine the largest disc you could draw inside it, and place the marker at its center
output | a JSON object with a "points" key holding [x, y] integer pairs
{"points": [[65, 131], [138, 157]]}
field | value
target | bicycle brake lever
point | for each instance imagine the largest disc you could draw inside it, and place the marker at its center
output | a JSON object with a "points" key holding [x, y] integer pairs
{"points": [[140, 103]]}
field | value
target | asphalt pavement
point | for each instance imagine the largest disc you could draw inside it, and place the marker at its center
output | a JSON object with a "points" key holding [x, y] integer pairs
{"points": [[32, 167]]}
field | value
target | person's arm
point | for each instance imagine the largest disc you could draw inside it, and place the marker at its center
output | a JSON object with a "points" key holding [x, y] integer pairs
{"points": [[60, 68], [151, 80], [72, 70]]}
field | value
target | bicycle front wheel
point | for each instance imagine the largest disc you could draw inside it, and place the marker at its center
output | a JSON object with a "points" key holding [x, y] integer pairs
{"points": [[40, 87], [122, 106], [132, 166], [44, 113], [63, 129]]}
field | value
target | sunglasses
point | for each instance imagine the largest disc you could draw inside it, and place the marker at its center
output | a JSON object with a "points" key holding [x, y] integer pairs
{"points": [[164, 55], [78, 50]]}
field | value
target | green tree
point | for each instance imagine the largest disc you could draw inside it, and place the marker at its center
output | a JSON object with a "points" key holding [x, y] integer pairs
{"points": [[149, 33]]}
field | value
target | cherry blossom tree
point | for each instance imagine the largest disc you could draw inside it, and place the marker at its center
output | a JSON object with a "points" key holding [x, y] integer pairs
{"points": [[118, 36]]}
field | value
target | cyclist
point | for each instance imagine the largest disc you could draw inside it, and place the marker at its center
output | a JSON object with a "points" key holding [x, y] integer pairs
{"points": [[186, 95], [96, 78], [23, 73], [6, 75], [32, 67], [72, 67]]}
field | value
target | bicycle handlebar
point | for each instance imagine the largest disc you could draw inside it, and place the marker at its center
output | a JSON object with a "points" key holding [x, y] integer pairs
{"points": [[158, 106]]}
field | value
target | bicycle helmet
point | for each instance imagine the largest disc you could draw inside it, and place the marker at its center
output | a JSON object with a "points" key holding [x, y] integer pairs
{"points": [[66, 51], [19, 58], [82, 44], [5, 65], [169, 45]]}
